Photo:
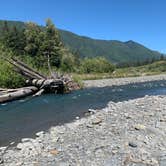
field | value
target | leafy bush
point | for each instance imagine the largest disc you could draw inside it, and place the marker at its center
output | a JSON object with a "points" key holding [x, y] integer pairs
{"points": [[68, 63], [8, 78], [96, 65]]}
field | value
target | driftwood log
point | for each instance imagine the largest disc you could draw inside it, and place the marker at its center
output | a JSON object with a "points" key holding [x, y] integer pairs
{"points": [[37, 83], [9, 95]]}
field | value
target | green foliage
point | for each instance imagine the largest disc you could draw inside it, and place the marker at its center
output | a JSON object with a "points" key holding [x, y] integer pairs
{"points": [[150, 69], [13, 38], [35, 41], [115, 51], [51, 45], [157, 67], [8, 78], [42, 49], [96, 65], [68, 63], [139, 63], [32, 34]]}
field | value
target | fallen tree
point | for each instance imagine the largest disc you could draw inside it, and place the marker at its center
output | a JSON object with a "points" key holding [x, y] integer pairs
{"points": [[37, 83], [9, 95]]}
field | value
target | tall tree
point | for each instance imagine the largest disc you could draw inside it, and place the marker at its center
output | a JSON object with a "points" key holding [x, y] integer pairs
{"points": [[51, 46], [13, 38], [33, 42]]}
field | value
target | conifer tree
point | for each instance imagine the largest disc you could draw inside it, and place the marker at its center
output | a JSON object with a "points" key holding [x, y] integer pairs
{"points": [[51, 46], [33, 43]]}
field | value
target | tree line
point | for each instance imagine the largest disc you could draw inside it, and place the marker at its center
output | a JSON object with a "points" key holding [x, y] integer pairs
{"points": [[141, 63], [38, 44]]}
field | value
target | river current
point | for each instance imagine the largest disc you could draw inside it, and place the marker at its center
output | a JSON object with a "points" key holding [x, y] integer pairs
{"points": [[25, 117]]}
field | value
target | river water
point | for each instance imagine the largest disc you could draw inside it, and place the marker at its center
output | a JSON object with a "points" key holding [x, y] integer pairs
{"points": [[23, 118]]}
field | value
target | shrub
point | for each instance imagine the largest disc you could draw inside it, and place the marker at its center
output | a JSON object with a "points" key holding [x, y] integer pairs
{"points": [[8, 78], [68, 63], [96, 65]]}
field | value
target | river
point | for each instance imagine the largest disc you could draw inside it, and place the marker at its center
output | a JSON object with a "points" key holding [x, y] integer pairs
{"points": [[23, 118]]}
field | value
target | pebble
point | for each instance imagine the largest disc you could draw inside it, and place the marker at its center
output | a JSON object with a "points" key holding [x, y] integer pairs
{"points": [[92, 111], [40, 134], [54, 152], [19, 146], [77, 117], [140, 127], [132, 144], [96, 121]]}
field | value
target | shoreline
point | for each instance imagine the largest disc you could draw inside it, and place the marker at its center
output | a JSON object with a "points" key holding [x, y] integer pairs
{"points": [[128, 132], [122, 81]]}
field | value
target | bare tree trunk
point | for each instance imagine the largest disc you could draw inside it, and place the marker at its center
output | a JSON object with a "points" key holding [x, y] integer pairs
{"points": [[27, 67], [49, 66], [25, 71], [18, 93]]}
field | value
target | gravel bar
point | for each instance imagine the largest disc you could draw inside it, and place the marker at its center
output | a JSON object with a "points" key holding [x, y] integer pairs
{"points": [[123, 81]]}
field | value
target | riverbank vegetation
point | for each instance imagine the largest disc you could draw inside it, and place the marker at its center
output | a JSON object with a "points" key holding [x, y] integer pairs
{"points": [[151, 69], [36, 45]]}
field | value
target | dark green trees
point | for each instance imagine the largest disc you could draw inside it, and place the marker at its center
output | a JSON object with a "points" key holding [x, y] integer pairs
{"points": [[13, 38], [41, 47], [51, 46], [44, 42], [33, 42]]}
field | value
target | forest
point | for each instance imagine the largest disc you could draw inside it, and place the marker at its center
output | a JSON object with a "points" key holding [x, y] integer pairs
{"points": [[35, 45]]}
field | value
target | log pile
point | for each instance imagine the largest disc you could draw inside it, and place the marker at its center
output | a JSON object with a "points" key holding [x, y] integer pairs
{"points": [[37, 83]]}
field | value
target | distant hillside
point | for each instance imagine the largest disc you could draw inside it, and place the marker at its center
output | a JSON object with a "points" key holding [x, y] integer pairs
{"points": [[115, 51], [18, 24]]}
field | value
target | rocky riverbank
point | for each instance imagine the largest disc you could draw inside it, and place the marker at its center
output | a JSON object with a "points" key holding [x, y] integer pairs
{"points": [[128, 133], [125, 133], [123, 81]]}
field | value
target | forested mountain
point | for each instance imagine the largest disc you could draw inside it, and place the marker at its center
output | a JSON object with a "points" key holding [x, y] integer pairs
{"points": [[113, 50]]}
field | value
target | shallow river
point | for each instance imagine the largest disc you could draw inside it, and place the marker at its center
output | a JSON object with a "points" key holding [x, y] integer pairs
{"points": [[23, 118]]}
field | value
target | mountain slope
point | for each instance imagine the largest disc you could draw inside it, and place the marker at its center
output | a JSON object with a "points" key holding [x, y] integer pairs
{"points": [[115, 51]]}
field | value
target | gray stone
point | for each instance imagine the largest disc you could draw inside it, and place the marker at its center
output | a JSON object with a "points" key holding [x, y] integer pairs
{"points": [[96, 121], [23, 140], [77, 117], [132, 144], [40, 134], [20, 146]]}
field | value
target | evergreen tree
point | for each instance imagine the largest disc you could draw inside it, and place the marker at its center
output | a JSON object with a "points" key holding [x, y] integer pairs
{"points": [[5, 28], [16, 41], [77, 58], [33, 42], [13, 39], [5, 33], [51, 47]]}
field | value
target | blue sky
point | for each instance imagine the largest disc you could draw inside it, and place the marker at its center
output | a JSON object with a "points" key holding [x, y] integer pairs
{"points": [[139, 20]]}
